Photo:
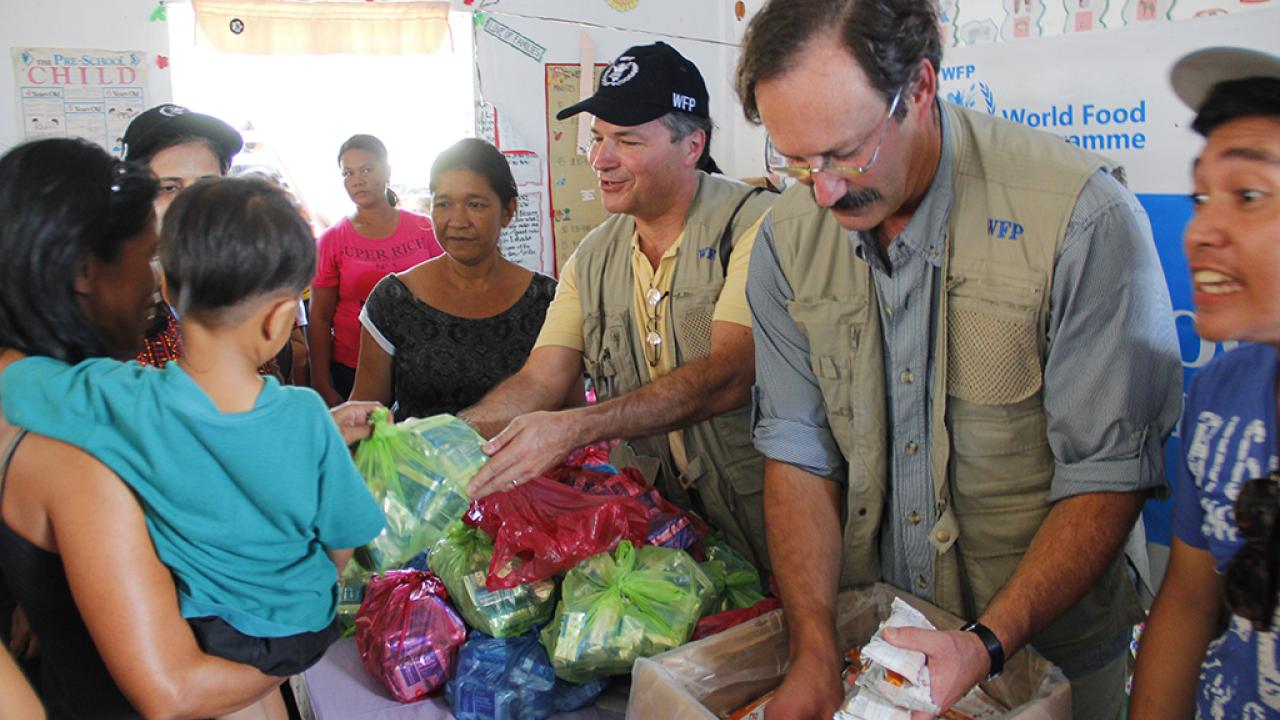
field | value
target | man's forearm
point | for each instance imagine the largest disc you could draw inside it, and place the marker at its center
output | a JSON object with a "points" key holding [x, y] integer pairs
{"points": [[689, 394], [802, 525], [1077, 541], [519, 394]]}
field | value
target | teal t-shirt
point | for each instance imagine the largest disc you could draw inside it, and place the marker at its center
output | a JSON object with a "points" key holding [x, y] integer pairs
{"points": [[240, 506]]}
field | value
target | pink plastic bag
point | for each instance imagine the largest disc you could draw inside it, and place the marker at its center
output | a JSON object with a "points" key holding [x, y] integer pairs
{"points": [[669, 526], [407, 634], [542, 527]]}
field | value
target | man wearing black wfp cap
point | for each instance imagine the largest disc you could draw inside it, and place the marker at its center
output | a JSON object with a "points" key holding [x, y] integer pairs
{"points": [[1224, 560], [652, 306]]}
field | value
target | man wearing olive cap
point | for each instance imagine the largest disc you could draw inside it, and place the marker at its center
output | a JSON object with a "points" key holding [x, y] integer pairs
{"points": [[652, 306]]}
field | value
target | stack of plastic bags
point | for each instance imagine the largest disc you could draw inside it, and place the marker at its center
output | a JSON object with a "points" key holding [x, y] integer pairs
{"points": [[616, 607], [511, 679], [461, 559], [407, 634]]}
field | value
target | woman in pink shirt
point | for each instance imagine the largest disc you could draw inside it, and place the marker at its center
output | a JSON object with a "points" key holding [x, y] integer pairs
{"points": [[355, 254]]}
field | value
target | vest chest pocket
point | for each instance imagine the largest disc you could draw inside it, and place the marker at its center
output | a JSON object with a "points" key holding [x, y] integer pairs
{"points": [[607, 356], [993, 339], [691, 316]]}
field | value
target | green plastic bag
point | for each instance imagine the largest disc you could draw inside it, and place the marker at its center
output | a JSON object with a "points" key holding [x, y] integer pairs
{"points": [[461, 559], [736, 579], [617, 607], [351, 588], [418, 471]]}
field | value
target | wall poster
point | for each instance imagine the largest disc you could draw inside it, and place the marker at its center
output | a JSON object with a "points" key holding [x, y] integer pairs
{"points": [[65, 92]]}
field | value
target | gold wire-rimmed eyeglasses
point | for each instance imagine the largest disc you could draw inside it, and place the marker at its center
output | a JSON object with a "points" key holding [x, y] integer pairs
{"points": [[844, 171], [653, 297]]}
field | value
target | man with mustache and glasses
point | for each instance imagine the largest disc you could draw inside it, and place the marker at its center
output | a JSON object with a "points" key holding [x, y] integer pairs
{"points": [[1223, 561], [652, 306], [966, 361]]}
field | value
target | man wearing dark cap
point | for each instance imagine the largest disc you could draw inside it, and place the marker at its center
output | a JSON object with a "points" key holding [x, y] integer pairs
{"points": [[180, 147], [1223, 561], [652, 305]]}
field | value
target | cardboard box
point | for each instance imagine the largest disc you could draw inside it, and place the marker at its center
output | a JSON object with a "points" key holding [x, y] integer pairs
{"points": [[708, 679]]}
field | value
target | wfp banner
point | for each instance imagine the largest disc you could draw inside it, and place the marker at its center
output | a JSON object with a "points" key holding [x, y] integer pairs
{"points": [[1109, 92]]}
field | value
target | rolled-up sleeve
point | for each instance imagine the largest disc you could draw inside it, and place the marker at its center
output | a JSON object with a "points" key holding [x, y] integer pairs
{"points": [[789, 419], [1113, 376]]}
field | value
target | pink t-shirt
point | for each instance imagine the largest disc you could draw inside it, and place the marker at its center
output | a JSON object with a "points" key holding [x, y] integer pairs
{"points": [[354, 264]]}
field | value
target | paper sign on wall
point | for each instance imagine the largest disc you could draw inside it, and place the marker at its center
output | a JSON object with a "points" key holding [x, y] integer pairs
{"points": [[521, 241], [526, 166], [93, 94], [573, 213]]}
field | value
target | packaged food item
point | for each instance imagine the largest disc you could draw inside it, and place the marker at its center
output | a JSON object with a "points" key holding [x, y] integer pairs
{"points": [[407, 634], [736, 580], [890, 681], [511, 679], [461, 559], [551, 527], [418, 471], [616, 607]]}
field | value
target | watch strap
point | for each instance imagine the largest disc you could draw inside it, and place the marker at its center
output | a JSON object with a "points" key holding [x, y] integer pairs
{"points": [[995, 651]]}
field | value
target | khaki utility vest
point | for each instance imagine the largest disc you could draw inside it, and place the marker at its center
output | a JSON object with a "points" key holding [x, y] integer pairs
{"points": [[990, 459], [724, 468]]}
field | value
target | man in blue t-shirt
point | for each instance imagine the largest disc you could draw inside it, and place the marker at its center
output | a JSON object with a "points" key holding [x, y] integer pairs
{"points": [[1227, 498]]}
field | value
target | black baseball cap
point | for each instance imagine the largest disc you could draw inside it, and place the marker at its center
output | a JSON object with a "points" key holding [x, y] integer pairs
{"points": [[152, 129], [644, 83]]}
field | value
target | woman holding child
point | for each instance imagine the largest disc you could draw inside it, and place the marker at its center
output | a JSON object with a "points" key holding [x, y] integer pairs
{"points": [[440, 335], [118, 639]]}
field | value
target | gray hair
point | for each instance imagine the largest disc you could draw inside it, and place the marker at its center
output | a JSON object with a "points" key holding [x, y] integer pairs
{"points": [[682, 124]]}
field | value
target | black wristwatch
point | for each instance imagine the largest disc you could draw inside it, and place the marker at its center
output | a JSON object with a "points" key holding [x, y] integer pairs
{"points": [[995, 650]]}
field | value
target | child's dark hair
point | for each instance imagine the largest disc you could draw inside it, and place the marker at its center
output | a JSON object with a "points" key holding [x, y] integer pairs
{"points": [[1257, 96], [227, 242], [483, 159], [62, 201], [374, 147]]}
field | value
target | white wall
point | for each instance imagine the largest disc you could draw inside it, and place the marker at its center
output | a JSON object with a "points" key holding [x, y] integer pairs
{"points": [[95, 24]]}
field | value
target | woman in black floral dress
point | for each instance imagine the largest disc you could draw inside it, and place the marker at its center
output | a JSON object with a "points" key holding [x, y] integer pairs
{"points": [[437, 337]]}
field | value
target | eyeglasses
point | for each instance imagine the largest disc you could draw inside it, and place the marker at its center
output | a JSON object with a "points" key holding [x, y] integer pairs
{"points": [[1251, 577], [843, 171], [653, 337]]}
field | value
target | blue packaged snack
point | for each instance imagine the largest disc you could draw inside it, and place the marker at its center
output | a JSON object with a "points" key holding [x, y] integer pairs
{"points": [[502, 679]]}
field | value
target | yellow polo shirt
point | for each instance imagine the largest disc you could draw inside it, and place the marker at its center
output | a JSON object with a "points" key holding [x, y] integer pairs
{"points": [[563, 325]]}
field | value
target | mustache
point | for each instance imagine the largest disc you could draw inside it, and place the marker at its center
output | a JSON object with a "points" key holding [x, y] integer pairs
{"points": [[857, 199]]}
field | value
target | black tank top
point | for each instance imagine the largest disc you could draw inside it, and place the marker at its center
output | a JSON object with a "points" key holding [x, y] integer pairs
{"points": [[74, 682]]}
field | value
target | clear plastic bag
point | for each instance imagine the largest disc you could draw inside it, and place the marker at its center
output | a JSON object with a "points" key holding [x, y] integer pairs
{"points": [[418, 471], [407, 634], [617, 607], [461, 560]]}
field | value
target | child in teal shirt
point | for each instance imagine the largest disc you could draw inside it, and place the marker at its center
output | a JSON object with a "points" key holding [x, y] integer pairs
{"points": [[250, 494]]}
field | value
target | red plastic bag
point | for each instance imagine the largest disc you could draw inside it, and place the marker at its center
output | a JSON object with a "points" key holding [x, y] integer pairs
{"points": [[407, 634], [721, 621], [542, 527], [669, 526]]}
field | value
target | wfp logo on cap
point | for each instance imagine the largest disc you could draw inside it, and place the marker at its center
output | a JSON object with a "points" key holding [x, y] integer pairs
{"points": [[622, 70], [683, 102], [172, 110]]}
